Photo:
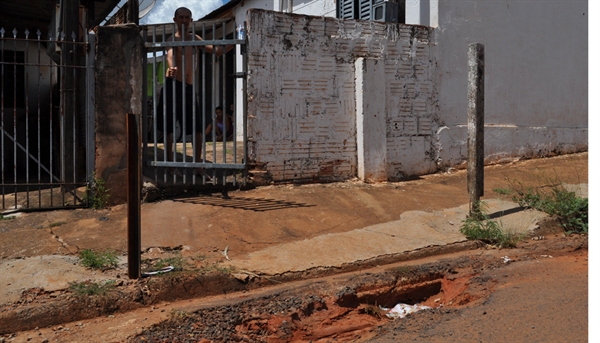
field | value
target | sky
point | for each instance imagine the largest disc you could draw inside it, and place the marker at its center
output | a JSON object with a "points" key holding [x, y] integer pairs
{"points": [[163, 10]]}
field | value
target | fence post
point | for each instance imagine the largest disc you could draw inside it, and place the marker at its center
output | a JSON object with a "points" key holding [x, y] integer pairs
{"points": [[475, 121], [134, 240]]}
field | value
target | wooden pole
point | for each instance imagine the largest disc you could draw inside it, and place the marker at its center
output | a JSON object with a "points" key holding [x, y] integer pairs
{"points": [[475, 121], [134, 239]]}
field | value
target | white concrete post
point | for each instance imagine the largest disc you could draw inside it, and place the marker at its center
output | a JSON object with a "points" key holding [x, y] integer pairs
{"points": [[370, 120]]}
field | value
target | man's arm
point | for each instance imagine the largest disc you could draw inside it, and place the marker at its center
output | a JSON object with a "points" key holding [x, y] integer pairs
{"points": [[218, 50], [171, 68]]}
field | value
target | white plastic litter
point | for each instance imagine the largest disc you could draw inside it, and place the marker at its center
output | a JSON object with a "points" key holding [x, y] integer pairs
{"points": [[506, 259], [402, 310], [160, 271]]}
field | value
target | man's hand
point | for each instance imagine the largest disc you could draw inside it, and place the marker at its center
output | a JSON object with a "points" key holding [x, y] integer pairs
{"points": [[172, 72]]}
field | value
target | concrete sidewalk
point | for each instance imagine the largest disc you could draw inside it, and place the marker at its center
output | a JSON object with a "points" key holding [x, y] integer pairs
{"points": [[273, 230]]}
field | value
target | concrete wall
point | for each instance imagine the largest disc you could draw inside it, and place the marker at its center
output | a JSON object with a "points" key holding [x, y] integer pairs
{"points": [[536, 77], [118, 92], [302, 99]]}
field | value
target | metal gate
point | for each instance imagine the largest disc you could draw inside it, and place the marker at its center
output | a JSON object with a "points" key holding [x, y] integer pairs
{"points": [[46, 120], [194, 120]]}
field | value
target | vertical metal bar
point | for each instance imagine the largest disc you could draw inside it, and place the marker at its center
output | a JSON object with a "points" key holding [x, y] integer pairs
{"points": [[134, 239], [154, 103], [50, 126], [164, 96], [145, 87], [90, 121], [2, 114], [39, 104], [475, 122], [74, 119], [194, 109], [215, 100], [245, 103], [203, 91], [174, 105], [15, 138], [184, 31], [26, 90], [224, 97], [62, 122]]}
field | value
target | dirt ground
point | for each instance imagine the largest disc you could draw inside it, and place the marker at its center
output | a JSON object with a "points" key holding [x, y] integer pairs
{"points": [[533, 287], [536, 292]]}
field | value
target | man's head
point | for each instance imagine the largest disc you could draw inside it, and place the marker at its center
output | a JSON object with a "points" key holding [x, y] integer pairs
{"points": [[182, 16]]}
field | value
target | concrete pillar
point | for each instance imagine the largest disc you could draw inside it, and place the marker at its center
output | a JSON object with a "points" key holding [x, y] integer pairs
{"points": [[119, 77], [370, 119], [475, 125]]}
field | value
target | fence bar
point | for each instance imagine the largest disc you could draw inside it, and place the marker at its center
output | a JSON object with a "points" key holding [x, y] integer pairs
{"points": [[90, 115]]}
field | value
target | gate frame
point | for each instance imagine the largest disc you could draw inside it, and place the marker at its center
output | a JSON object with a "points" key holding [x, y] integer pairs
{"points": [[152, 46]]}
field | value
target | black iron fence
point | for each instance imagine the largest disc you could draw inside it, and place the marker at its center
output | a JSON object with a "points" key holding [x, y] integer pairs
{"points": [[46, 119]]}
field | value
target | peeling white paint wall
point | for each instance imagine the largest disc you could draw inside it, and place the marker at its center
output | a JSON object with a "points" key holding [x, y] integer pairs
{"points": [[302, 100], [307, 121]]}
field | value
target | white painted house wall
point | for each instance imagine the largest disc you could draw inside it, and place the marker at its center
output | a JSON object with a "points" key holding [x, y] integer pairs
{"points": [[536, 77], [311, 117]]}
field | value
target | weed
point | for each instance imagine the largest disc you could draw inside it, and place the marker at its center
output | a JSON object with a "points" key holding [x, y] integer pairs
{"points": [[217, 267], [570, 209], [96, 194], [178, 314], [482, 228], [91, 288], [176, 262], [503, 191], [6, 218], [98, 260], [55, 224], [374, 311]]}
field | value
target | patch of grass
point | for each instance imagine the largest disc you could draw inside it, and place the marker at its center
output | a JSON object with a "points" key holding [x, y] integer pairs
{"points": [[55, 224], [503, 191], [178, 314], [6, 218], [97, 195], [98, 260], [217, 267], [481, 227], [176, 262], [91, 288], [570, 209]]}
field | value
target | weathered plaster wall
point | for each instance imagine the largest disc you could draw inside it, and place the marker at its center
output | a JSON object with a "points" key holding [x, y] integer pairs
{"points": [[536, 77], [302, 101], [118, 92]]}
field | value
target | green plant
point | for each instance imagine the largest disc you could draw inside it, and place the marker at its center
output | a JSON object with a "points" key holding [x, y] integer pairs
{"points": [[98, 260], [503, 191], [6, 218], [55, 224], [91, 288], [176, 262], [481, 227], [570, 209], [96, 194]]}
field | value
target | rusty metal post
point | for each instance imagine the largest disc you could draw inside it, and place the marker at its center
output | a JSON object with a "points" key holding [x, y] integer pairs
{"points": [[475, 121], [134, 240]]}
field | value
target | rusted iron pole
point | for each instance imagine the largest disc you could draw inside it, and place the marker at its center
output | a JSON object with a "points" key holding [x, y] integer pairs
{"points": [[134, 239], [475, 121]]}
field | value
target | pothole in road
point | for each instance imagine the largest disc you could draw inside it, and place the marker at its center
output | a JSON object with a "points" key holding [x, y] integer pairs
{"points": [[351, 312]]}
